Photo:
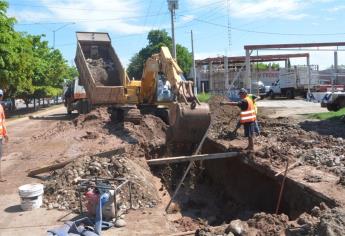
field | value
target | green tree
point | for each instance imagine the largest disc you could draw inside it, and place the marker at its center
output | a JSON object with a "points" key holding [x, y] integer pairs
{"points": [[28, 67], [264, 66], [157, 39], [7, 46]]}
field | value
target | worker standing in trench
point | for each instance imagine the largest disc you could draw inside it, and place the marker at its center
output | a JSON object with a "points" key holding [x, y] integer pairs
{"points": [[3, 132], [247, 116]]}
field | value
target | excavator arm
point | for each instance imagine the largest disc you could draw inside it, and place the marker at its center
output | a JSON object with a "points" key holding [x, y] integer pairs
{"points": [[163, 81]]}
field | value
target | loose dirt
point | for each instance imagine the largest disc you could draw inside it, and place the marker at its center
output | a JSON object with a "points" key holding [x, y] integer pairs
{"points": [[123, 161], [108, 149]]}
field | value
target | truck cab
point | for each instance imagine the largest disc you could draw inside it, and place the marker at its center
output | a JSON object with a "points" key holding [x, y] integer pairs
{"points": [[75, 98], [284, 86], [333, 101]]}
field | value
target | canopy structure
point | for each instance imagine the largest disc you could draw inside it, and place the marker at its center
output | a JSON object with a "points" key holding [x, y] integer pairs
{"points": [[330, 46]]}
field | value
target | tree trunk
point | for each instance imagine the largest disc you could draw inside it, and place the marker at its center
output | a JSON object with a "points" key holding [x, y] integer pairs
{"points": [[13, 108]]}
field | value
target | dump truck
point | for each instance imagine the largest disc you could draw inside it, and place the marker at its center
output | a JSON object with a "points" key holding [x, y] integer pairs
{"points": [[75, 98], [163, 90]]}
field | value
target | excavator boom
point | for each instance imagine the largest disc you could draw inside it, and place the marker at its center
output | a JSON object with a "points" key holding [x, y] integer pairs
{"points": [[188, 118]]}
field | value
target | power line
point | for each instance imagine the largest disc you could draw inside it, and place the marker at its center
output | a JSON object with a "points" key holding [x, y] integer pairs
{"points": [[66, 8], [265, 32], [229, 25], [103, 10], [88, 20]]}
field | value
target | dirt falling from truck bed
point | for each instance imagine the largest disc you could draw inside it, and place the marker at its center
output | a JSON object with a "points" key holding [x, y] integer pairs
{"points": [[104, 72]]}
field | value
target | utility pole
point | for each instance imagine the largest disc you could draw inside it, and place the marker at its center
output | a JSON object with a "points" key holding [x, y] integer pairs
{"points": [[335, 77], [194, 69], [173, 5], [54, 31]]}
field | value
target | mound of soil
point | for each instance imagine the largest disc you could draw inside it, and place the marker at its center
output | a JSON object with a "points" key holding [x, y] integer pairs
{"points": [[139, 142], [224, 117], [61, 190]]}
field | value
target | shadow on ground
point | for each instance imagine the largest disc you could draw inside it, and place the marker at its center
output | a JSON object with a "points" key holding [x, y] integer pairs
{"points": [[62, 116], [121, 132], [325, 127], [25, 111], [13, 209]]}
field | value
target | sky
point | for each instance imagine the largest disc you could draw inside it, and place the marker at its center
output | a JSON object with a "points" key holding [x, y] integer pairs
{"points": [[220, 27]]}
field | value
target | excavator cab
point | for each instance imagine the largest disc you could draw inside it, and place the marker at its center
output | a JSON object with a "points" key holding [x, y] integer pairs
{"points": [[163, 84]]}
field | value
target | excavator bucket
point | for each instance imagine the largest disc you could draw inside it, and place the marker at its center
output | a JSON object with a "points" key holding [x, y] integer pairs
{"points": [[188, 122]]}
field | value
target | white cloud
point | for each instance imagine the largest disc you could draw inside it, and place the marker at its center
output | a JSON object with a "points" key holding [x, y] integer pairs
{"points": [[28, 15], [336, 9], [91, 15], [285, 9]]}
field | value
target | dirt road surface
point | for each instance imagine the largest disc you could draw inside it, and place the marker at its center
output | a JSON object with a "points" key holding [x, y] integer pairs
{"points": [[35, 142], [290, 108]]}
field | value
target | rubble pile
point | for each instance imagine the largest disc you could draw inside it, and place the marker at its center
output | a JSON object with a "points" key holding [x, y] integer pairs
{"points": [[282, 139], [285, 138], [320, 221], [139, 141], [104, 72], [61, 191]]}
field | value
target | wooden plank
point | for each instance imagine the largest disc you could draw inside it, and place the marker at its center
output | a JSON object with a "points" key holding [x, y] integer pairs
{"points": [[169, 160], [48, 168]]}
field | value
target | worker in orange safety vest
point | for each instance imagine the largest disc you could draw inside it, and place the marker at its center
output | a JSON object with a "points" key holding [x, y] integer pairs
{"points": [[3, 132], [247, 116]]}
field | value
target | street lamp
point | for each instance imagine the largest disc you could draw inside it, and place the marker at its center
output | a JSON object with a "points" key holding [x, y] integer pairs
{"points": [[173, 5], [61, 27]]}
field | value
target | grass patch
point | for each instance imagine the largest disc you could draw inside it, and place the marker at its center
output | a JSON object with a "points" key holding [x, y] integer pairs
{"points": [[332, 115], [204, 97]]}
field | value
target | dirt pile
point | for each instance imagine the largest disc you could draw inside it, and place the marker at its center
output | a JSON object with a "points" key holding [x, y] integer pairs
{"points": [[110, 160], [61, 190], [284, 138], [321, 221], [104, 72], [224, 117]]}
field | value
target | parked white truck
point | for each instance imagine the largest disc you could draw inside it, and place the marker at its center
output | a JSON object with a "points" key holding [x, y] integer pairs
{"points": [[333, 101], [293, 82]]}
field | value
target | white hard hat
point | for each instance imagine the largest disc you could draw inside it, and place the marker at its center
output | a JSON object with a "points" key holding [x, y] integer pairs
{"points": [[1, 92]]}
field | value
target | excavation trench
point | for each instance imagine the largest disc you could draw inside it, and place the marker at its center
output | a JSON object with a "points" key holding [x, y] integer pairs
{"points": [[234, 188]]}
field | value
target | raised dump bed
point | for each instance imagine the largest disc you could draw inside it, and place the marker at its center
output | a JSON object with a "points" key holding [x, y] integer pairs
{"points": [[100, 70]]}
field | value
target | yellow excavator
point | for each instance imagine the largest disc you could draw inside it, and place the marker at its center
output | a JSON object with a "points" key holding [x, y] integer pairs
{"points": [[161, 88]]}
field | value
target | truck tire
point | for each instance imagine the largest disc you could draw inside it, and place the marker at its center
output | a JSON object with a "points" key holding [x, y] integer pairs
{"points": [[271, 94], [332, 107], [290, 93], [84, 107], [341, 102]]}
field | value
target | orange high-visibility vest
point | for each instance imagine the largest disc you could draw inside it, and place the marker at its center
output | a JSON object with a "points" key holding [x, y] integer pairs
{"points": [[248, 115], [3, 131]]}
